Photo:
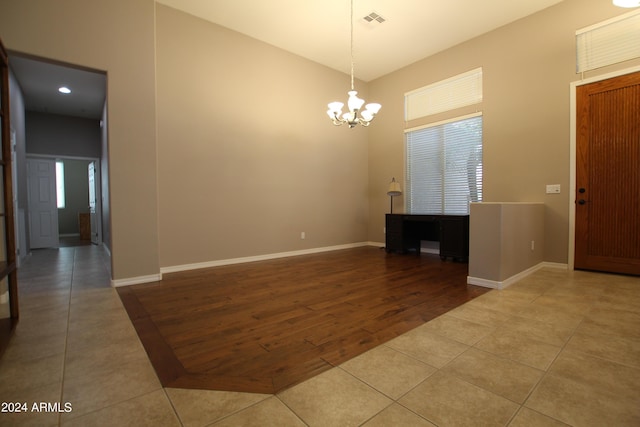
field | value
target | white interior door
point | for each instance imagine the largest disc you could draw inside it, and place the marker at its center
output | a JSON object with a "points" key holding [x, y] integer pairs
{"points": [[43, 207], [94, 203]]}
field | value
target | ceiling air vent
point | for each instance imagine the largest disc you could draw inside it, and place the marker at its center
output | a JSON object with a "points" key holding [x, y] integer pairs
{"points": [[373, 18]]}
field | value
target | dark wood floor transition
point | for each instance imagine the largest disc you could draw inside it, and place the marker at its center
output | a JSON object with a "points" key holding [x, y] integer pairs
{"points": [[264, 326]]}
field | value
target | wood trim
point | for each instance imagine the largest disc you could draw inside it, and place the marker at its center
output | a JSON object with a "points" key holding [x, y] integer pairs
{"points": [[8, 266]]}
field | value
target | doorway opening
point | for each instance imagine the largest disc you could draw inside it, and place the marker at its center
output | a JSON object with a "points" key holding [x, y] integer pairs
{"points": [[69, 128], [71, 217]]}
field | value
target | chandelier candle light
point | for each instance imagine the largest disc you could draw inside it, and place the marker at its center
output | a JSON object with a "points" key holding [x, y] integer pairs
{"points": [[354, 116]]}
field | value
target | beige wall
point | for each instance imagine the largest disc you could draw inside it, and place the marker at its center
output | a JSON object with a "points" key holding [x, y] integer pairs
{"points": [[244, 158], [527, 67], [500, 241], [247, 157], [115, 36]]}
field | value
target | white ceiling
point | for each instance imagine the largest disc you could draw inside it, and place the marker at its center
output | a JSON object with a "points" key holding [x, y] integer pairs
{"points": [[319, 29], [315, 29]]}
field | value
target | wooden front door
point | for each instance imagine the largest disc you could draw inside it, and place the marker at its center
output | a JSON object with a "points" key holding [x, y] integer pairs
{"points": [[608, 175]]}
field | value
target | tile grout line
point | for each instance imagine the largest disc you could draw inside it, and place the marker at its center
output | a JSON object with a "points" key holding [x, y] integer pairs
{"points": [[66, 337], [298, 416], [175, 411], [73, 272], [520, 405], [546, 370], [394, 401]]}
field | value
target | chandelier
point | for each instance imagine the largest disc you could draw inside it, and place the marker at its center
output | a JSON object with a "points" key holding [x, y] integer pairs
{"points": [[354, 116]]}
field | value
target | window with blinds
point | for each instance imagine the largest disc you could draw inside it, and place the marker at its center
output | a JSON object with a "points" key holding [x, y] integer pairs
{"points": [[444, 166], [609, 42], [445, 95]]}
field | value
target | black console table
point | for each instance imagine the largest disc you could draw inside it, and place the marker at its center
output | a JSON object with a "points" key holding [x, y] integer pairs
{"points": [[405, 231]]}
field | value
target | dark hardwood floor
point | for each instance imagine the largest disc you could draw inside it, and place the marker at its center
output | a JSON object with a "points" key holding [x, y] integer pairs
{"points": [[264, 326]]}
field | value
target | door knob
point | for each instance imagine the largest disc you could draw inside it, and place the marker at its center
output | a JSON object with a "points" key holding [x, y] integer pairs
{"points": [[581, 190], [582, 201]]}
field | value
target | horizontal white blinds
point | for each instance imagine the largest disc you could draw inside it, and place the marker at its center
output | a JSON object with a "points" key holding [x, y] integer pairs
{"points": [[444, 167], [455, 92], [608, 42]]}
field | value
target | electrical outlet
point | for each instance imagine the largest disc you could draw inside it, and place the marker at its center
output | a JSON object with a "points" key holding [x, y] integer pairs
{"points": [[533, 245], [303, 235]]}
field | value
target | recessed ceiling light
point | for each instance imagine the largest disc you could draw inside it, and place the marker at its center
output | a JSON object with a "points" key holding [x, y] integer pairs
{"points": [[64, 89]]}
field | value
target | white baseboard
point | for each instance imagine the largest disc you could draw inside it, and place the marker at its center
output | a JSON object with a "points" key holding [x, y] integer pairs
{"points": [[493, 284], [136, 280], [485, 283], [555, 265], [230, 261], [185, 267]]}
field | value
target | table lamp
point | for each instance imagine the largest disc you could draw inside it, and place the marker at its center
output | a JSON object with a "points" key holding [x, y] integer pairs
{"points": [[394, 190]]}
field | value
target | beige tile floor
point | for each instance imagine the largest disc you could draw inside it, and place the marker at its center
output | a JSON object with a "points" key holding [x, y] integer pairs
{"points": [[558, 348]]}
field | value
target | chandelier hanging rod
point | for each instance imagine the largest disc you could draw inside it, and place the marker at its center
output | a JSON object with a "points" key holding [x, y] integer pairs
{"points": [[354, 116]]}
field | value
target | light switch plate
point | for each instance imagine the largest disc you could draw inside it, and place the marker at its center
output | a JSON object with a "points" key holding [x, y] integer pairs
{"points": [[553, 189]]}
